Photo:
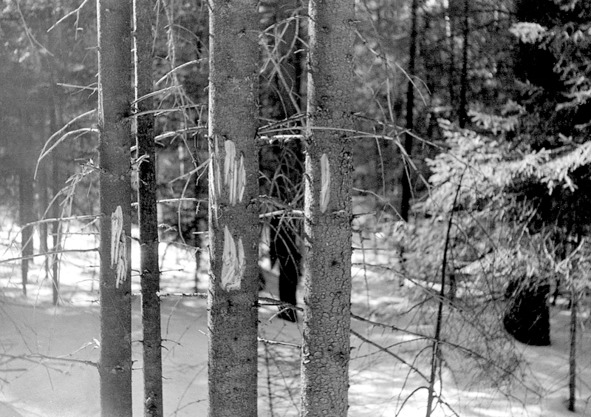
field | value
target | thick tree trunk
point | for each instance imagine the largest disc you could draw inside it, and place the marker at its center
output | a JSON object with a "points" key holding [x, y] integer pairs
{"points": [[114, 46], [233, 211], [328, 213], [147, 211], [410, 106]]}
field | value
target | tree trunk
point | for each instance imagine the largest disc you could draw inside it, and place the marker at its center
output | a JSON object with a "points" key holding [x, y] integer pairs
{"points": [[410, 103], [54, 122], [56, 228], [199, 228], [327, 277], [26, 200], [463, 111], [114, 46], [449, 32], [147, 211], [233, 211], [285, 229], [43, 227], [572, 359]]}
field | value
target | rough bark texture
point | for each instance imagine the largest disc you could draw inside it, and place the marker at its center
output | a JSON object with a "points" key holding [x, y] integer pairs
{"points": [[327, 277], [233, 211], [410, 108], [114, 24], [148, 214]]}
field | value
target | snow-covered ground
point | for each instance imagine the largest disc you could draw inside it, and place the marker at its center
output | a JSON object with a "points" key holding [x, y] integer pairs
{"points": [[43, 349]]}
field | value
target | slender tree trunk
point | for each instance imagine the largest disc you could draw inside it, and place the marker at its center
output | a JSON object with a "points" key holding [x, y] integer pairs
{"points": [[56, 66], [572, 359], [148, 214], [233, 211], [199, 240], [410, 103], [284, 230], [43, 227], [290, 54], [55, 227], [449, 32], [463, 110], [114, 45], [54, 121], [327, 277], [26, 199]]}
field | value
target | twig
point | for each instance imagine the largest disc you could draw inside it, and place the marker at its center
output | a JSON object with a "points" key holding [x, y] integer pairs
{"points": [[36, 255]]}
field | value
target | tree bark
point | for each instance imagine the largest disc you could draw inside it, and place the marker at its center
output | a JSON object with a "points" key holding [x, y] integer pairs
{"points": [[572, 358], [233, 211], [114, 46], [463, 111], [410, 103], [328, 213], [147, 211]]}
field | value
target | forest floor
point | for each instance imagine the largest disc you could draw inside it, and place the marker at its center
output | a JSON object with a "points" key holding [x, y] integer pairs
{"points": [[47, 353]]}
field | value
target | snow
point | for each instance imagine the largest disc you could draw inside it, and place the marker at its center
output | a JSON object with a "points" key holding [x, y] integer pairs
{"points": [[42, 349]]}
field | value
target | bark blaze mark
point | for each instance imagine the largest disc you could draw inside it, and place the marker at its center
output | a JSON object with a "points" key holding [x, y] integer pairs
{"points": [[234, 173], [119, 259], [233, 262], [325, 183]]}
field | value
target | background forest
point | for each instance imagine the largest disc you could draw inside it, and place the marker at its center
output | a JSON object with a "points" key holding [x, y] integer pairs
{"points": [[471, 210]]}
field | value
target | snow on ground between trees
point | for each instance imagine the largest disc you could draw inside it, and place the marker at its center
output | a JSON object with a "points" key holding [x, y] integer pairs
{"points": [[42, 349]]}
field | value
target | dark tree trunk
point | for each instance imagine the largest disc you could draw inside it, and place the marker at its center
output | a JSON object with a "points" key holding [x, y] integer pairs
{"points": [[410, 103], [451, 68], [114, 46], [572, 358], [233, 208], [285, 170], [147, 211], [463, 110], [282, 162], [328, 211], [527, 317]]}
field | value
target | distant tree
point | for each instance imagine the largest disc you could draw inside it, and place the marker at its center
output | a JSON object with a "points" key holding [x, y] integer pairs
{"points": [[463, 107], [26, 192], [410, 110], [328, 213], [147, 209], [114, 122], [233, 208], [281, 162]]}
